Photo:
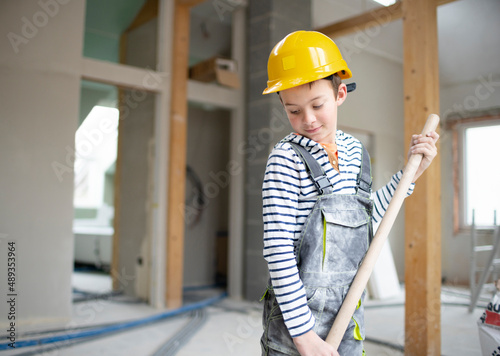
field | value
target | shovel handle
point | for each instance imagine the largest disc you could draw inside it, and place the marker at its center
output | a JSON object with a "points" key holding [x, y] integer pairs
{"points": [[365, 269]]}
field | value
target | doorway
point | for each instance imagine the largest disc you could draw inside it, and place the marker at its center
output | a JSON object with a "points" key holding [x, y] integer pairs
{"points": [[114, 184], [93, 200], [207, 197]]}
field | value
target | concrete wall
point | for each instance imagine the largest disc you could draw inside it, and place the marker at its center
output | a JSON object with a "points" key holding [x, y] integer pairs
{"points": [[39, 108]]}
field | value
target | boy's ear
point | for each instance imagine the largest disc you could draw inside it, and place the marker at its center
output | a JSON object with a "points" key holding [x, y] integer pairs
{"points": [[341, 94]]}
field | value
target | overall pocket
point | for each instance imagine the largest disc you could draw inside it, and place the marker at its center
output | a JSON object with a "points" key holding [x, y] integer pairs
{"points": [[345, 239]]}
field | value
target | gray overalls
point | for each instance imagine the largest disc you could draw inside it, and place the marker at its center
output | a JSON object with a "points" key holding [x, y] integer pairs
{"points": [[329, 251]]}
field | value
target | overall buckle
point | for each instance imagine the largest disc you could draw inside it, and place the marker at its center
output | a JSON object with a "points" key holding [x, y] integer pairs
{"points": [[321, 183]]}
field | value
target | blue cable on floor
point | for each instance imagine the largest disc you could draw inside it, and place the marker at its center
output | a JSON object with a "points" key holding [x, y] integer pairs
{"points": [[115, 327]]}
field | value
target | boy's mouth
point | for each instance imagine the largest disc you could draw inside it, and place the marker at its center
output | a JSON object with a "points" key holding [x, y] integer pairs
{"points": [[311, 131]]}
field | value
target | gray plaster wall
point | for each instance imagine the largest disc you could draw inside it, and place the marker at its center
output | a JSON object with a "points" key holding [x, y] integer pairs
{"points": [[39, 108], [205, 234], [136, 135], [136, 130]]}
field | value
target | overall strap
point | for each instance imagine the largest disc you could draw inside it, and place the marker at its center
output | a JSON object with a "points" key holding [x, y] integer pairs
{"points": [[317, 174], [364, 181]]}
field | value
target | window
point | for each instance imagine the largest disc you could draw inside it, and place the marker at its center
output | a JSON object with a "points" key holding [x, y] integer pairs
{"points": [[386, 2], [477, 172], [95, 145]]}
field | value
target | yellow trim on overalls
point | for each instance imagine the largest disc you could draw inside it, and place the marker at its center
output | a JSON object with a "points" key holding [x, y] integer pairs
{"points": [[357, 330], [324, 243]]}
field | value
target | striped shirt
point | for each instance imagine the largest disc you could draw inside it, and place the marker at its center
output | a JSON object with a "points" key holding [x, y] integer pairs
{"points": [[288, 196]]}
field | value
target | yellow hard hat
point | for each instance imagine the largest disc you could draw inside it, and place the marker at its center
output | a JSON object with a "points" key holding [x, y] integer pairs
{"points": [[303, 57]]}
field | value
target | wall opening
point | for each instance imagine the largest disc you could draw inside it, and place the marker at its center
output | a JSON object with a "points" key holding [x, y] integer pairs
{"points": [[207, 197], [113, 196], [93, 200]]}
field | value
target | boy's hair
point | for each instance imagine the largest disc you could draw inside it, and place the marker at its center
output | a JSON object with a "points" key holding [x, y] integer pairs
{"points": [[334, 79]]}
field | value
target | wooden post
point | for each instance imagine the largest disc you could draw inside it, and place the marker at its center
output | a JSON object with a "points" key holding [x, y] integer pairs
{"points": [[177, 157], [423, 208]]}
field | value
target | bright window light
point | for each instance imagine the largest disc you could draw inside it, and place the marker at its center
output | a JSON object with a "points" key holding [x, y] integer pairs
{"points": [[482, 174], [95, 151], [386, 2]]}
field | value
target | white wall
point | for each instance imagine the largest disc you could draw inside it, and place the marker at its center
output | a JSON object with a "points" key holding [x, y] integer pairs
{"points": [[460, 100], [376, 106], [39, 99]]}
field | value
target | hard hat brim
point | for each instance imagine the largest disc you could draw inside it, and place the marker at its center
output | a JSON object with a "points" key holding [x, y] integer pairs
{"points": [[274, 86]]}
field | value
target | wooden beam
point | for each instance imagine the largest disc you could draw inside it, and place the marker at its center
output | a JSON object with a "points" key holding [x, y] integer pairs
{"points": [[150, 10], [423, 208], [376, 17], [373, 18], [177, 157]]}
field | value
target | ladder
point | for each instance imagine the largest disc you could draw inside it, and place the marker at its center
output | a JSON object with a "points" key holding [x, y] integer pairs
{"points": [[490, 267]]}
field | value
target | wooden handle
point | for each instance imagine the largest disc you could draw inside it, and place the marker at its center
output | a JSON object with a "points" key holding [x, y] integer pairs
{"points": [[359, 283]]}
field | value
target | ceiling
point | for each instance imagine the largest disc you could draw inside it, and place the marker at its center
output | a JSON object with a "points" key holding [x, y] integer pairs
{"points": [[468, 30], [105, 21], [468, 36]]}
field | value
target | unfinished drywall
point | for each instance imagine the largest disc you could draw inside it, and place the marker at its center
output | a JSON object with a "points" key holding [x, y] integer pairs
{"points": [[40, 52]]}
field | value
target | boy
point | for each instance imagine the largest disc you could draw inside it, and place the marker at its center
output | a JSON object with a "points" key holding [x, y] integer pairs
{"points": [[316, 234]]}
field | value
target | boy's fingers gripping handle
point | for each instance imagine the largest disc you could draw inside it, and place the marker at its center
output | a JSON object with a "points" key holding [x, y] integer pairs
{"points": [[414, 160], [359, 283]]}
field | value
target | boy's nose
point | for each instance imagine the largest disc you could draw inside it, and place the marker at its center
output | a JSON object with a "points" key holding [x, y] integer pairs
{"points": [[309, 117]]}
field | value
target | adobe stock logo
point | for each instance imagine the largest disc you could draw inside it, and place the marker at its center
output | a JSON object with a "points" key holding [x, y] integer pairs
{"points": [[31, 26]]}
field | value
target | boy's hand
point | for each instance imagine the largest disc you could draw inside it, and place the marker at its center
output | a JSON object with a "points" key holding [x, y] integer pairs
{"points": [[310, 344], [425, 145]]}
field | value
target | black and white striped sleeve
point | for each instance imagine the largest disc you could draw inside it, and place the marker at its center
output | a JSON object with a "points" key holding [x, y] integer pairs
{"points": [[382, 197]]}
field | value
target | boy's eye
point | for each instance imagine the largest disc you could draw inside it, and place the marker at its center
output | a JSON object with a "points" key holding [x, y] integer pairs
{"points": [[294, 112], [316, 107]]}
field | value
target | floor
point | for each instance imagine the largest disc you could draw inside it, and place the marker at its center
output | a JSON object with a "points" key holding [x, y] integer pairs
{"points": [[225, 327]]}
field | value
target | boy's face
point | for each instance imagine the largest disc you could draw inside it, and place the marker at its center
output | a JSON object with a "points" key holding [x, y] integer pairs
{"points": [[312, 109]]}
